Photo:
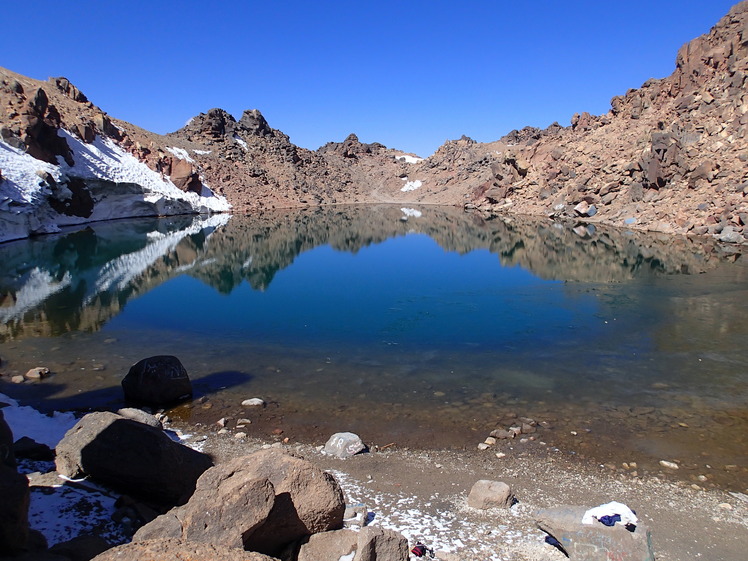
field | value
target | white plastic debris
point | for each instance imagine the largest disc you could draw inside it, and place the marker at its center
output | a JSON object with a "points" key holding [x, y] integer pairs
{"points": [[610, 509]]}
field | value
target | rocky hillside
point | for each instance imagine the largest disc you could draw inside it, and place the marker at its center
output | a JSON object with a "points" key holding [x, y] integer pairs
{"points": [[670, 156]]}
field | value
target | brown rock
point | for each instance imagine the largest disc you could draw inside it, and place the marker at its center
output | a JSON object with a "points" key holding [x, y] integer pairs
{"points": [[307, 500], [368, 544], [176, 550], [226, 508], [487, 494]]}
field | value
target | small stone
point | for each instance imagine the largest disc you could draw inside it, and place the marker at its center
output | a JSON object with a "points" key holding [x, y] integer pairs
{"points": [[37, 373], [253, 402], [490, 494], [502, 434], [221, 422], [483, 446], [500, 455], [668, 464], [240, 435], [223, 431], [702, 478], [344, 445], [242, 422], [490, 440], [726, 506], [18, 379]]}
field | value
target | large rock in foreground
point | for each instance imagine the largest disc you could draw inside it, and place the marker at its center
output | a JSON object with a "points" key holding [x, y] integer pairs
{"points": [[176, 550], [262, 502], [130, 457], [157, 380], [594, 542]]}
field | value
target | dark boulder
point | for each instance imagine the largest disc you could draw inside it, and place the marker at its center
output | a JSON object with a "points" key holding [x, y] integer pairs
{"points": [[131, 457], [7, 456], [29, 449], [157, 380], [14, 510]]}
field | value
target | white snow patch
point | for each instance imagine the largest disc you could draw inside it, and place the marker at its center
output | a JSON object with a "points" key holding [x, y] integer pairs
{"points": [[63, 512], [27, 421], [411, 212], [408, 159], [135, 189], [201, 152], [180, 153], [240, 141], [446, 530], [411, 185]]}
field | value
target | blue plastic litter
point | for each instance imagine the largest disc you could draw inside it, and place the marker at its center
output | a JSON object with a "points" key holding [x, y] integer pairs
{"points": [[610, 520]]}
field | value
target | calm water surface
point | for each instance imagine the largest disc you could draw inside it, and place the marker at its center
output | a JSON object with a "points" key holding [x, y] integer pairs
{"points": [[430, 331]]}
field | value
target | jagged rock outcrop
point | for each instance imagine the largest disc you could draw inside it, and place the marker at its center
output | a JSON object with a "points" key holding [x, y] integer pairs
{"points": [[670, 156]]}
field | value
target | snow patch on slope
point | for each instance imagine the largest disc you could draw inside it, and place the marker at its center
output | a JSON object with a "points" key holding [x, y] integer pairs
{"points": [[180, 153], [408, 159], [411, 185], [120, 185], [240, 141]]}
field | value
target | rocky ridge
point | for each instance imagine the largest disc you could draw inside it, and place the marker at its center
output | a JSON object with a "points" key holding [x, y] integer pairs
{"points": [[669, 156]]}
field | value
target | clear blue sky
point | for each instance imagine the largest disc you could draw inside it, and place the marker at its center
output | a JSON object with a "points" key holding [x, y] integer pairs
{"points": [[408, 74]]}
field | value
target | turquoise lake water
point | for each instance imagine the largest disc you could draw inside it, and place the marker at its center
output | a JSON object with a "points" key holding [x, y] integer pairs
{"points": [[428, 330]]}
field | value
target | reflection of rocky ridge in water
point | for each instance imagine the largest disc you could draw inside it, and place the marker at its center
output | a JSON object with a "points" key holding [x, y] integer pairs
{"points": [[78, 281], [255, 248]]}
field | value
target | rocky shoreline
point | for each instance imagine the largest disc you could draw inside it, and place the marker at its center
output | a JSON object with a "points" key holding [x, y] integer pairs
{"points": [[423, 496]]}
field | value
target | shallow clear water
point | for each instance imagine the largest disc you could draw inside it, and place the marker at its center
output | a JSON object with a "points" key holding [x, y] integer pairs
{"points": [[429, 331]]}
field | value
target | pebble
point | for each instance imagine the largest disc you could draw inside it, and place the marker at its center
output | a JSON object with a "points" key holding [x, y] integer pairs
{"points": [[37, 373], [490, 441], [482, 446], [726, 506], [500, 455], [221, 422], [240, 435], [18, 379], [668, 464], [223, 431], [253, 402], [243, 422]]}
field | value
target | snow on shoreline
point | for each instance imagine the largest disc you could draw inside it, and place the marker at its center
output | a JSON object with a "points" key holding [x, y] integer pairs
{"points": [[126, 187], [27, 421]]}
